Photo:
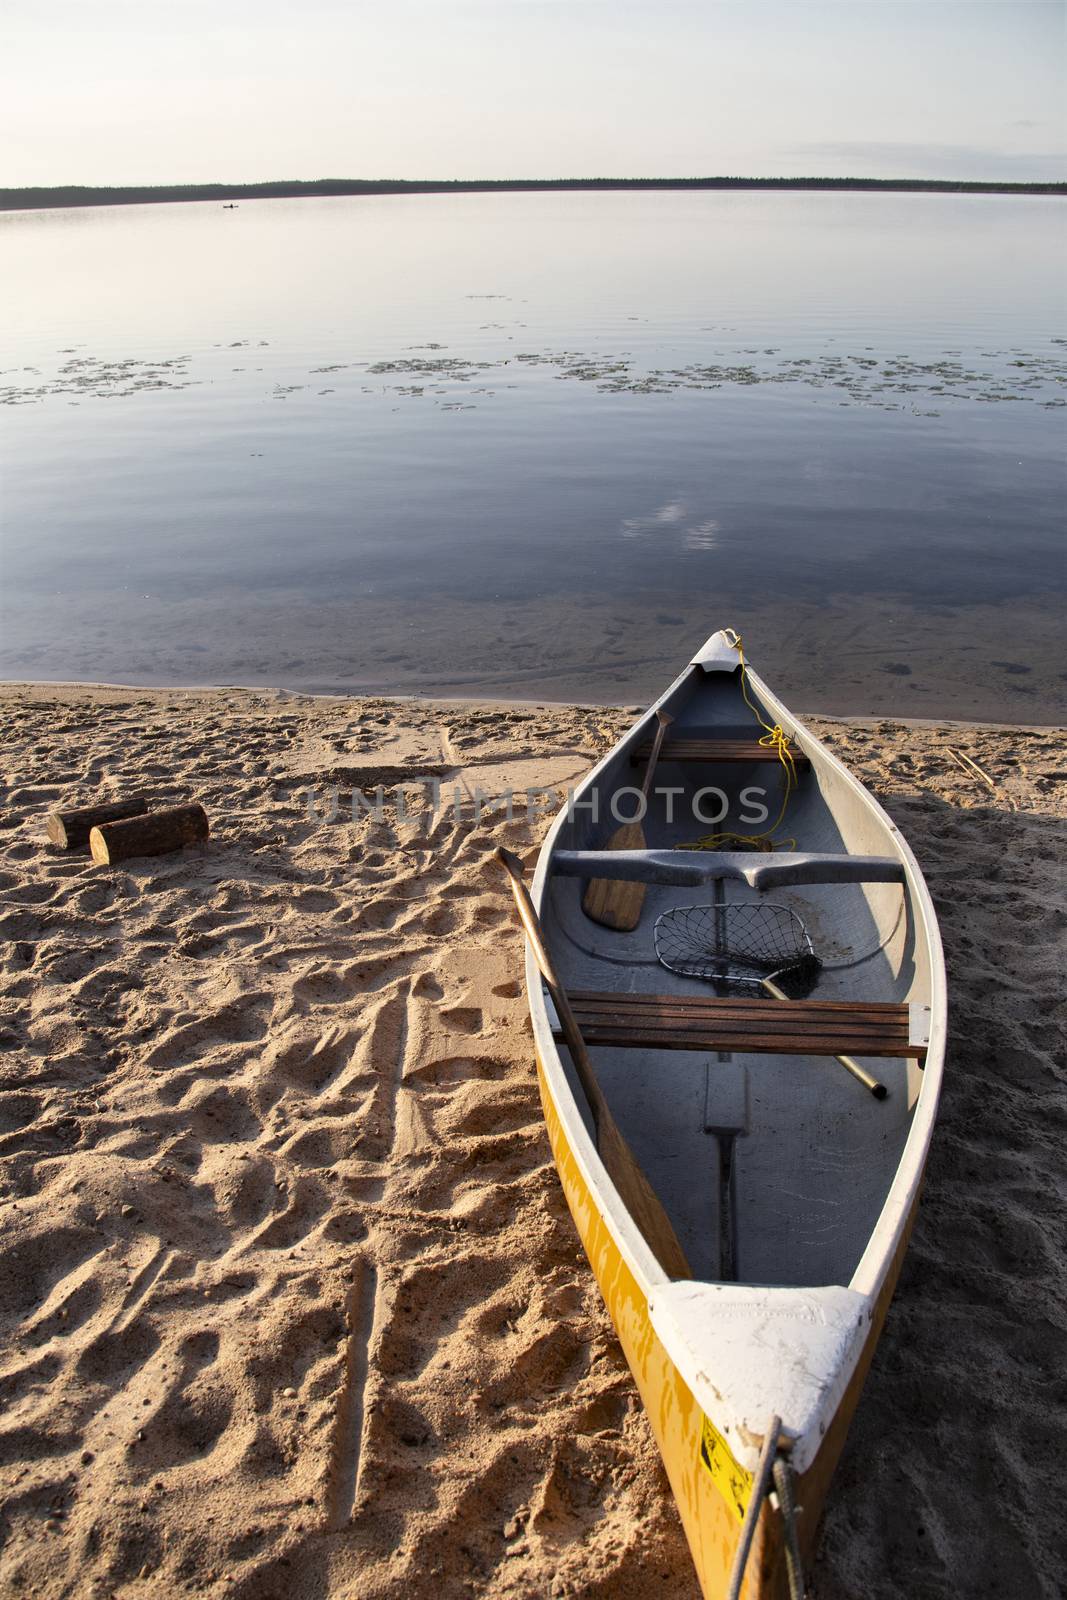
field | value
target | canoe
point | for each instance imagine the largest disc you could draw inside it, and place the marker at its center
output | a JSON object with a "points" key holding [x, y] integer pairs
{"points": [[784, 1135]]}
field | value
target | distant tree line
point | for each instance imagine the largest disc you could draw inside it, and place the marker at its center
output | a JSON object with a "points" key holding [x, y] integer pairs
{"points": [[81, 195]]}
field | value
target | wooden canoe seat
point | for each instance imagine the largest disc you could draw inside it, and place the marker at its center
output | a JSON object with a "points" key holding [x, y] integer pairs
{"points": [[709, 751], [751, 1027]]}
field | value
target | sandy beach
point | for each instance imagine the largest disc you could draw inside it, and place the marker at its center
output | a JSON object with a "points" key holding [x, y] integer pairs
{"points": [[290, 1302]]}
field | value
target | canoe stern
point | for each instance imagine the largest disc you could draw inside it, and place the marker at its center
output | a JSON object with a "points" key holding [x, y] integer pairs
{"points": [[710, 1485]]}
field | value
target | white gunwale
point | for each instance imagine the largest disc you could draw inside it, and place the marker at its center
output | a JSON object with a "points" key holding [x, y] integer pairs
{"points": [[886, 1239]]}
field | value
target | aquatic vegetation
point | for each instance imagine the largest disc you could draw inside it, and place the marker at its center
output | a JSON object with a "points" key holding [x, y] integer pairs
{"points": [[891, 382]]}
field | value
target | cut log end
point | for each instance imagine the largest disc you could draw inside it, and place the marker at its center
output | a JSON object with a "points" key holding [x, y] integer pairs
{"points": [[70, 830], [155, 834]]}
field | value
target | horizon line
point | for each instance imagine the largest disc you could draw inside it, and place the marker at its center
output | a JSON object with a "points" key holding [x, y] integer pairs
{"points": [[46, 196]]}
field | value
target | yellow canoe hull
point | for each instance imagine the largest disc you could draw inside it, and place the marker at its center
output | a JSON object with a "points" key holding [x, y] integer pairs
{"points": [[707, 1485]]}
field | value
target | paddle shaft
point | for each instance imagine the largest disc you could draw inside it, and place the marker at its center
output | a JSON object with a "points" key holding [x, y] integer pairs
{"points": [[622, 1166], [877, 1088], [657, 745], [571, 1031]]}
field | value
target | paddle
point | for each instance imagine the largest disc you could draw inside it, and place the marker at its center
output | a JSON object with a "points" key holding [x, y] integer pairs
{"points": [[635, 1191], [610, 901], [876, 1087]]}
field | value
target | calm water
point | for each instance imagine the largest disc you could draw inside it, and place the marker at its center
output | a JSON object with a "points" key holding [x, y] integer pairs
{"points": [[540, 445]]}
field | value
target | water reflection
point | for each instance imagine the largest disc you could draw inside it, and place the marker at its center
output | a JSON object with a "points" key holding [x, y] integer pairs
{"points": [[403, 407]]}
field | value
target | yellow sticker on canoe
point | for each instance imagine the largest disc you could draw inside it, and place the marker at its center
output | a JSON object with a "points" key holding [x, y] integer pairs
{"points": [[732, 1481]]}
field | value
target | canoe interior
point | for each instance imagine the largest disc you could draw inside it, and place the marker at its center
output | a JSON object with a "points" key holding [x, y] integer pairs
{"points": [[793, 1196]]}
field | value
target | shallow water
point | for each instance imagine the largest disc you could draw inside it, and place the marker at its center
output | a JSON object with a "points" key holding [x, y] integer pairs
{"points": [[540, 445]]}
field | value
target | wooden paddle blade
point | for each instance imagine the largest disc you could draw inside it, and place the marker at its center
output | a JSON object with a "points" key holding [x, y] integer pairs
{"points": [[609, 901], [640, 1199], [606, 900]]}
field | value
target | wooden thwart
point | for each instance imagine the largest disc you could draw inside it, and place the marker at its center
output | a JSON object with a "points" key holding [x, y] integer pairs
{"points": [[712, 750], [757, 1027]]}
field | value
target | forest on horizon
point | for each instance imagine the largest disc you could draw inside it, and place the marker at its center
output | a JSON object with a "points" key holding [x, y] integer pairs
{"points": [[62, 196]]}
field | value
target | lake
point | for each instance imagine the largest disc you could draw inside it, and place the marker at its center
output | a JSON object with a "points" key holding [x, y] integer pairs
{"points": [[540, 445]]}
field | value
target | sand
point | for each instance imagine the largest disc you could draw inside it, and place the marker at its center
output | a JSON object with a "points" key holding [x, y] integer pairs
{"points": [[290, 1303], [843, 654]]}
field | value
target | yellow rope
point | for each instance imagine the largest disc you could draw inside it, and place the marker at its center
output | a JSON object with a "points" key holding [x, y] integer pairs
{"points": [[773, 738]]}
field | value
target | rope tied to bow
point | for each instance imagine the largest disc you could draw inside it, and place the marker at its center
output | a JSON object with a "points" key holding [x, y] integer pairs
{"points": [[773, 1482], [773, 737]]}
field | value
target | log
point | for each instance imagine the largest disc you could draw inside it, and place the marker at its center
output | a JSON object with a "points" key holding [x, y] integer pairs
{"points": [[70, 829], [156, 834]]}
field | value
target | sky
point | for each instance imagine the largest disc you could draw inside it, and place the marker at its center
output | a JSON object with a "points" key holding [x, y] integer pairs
{"points": [[173, 91]]}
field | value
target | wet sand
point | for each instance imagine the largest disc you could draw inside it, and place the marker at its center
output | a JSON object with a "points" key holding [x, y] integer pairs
{"points": [[289, 1298], [848, 655]]}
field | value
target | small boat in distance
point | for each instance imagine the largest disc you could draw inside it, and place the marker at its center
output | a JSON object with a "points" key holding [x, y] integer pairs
{"points": [[230, 205], [740, 1083]]}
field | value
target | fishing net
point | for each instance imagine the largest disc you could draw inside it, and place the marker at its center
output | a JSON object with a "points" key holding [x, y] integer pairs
{"points": [[738, 942]]}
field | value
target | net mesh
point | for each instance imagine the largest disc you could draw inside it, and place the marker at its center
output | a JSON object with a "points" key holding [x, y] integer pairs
{"points": [[735, 942]]}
